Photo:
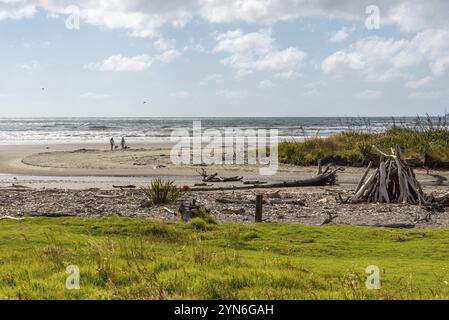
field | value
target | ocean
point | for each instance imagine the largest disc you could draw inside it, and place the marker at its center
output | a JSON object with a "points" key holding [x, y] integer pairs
{"points": [[94, 130]]}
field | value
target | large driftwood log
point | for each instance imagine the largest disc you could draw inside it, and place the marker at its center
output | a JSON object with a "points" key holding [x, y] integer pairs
{"points": [[328, 177]]}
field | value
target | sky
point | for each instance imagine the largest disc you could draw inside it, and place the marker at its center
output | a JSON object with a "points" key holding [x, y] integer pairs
{"points": [[251, 58]]}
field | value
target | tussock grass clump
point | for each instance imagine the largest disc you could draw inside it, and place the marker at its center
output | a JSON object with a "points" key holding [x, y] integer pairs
{"points": [[162, 192], [355, 147], [202, 220]]}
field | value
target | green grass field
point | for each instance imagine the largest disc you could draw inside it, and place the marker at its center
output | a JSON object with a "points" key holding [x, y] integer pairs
{"points": [[355, 148], [122, 258]]}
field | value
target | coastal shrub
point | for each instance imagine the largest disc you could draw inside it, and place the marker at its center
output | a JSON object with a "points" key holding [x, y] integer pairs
{"points": [[162, 192], [355, 147]]}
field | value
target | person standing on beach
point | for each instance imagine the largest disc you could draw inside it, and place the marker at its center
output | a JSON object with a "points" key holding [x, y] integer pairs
{"points": [[123, 143], [112, 142]]}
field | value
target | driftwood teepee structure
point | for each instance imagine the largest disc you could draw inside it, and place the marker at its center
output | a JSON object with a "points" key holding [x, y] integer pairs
{"points": [[393, 182]]}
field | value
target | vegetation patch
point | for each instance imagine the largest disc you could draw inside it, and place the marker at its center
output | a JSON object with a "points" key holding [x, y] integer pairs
{"points": [[162, 192], [354, 148]]}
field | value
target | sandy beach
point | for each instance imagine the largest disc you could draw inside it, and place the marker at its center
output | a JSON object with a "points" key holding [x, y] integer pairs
{"points": [[89, 160], [78, 180]]}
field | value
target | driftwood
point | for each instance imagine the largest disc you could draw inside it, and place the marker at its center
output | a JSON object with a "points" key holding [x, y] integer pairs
{"points": [[393, 182], [277, 201], [327, 177], [169, 211], [330, 218], [215, 178], [50, 215], [255, 182], [11, 218], [129, 187], [295, 202], [107, 196], [404, 225]]}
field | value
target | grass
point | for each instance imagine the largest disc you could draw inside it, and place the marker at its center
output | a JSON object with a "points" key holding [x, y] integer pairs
{"points": [[355, 147], [162, 192], [124, 258]]}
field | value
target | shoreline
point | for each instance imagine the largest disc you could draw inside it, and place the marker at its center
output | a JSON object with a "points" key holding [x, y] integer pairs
{"points": [[63, 165]]}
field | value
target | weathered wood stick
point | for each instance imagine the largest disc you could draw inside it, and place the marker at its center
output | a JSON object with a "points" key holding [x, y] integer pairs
{"points": [[383, 193], [364, 177], [367, 184], [259, 207]]}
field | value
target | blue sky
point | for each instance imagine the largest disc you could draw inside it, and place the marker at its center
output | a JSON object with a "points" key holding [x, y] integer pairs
{"points": [[229, 58]]}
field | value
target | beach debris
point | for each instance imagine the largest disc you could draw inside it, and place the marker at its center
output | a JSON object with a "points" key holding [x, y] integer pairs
{"points": [[201, 184], [11, 218], [190, 210], [439, 179], [128, 187], [227, 200], [274, 195], [215, 178], [146, 204], [83, 203], [442, 200], [169, 210], [405, 225], [50, 215], [240, 211], [326, 177], [330, 218], [274, 199], [255, 182], [393, 182], [107, 196], [295, 202]]}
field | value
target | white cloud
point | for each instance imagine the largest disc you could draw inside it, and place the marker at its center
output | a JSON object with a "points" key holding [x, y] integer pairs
{"points": [[120, 63], [144, 18], [434, 44], [342, 60], [266, 84], [420, 83], [341, 35], [169, 56], [163, 44], [193, 45], [369, 95], [381, 59], [280, 60], [28, 66], [255, 51], [16, 9], [135, 64]]}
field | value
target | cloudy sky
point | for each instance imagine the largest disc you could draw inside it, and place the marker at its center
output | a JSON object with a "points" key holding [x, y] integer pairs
{"points": [[223, 57]]}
